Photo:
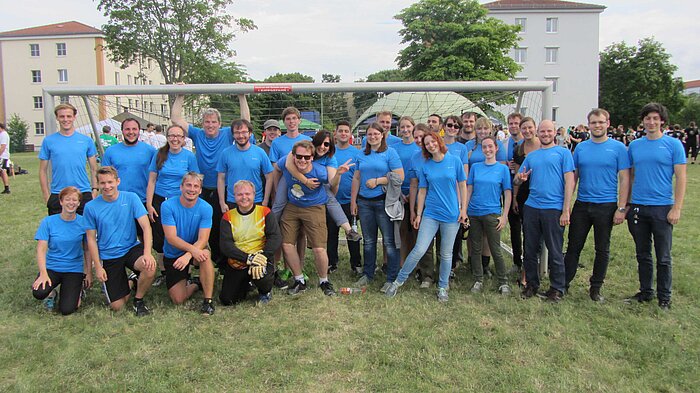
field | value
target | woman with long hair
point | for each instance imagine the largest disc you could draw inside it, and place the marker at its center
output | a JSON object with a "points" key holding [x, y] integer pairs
{"points": [[440, 206], [60, 255], [406, 149], [168, 166], [375, 168], [488, 181]]}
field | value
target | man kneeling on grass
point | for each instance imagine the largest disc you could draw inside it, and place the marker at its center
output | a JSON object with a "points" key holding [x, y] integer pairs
{"points": [[186, 225], [111, 237], [249, 237]]}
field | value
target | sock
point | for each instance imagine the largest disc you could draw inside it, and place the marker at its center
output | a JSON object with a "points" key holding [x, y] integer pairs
{"points": [[321, 280], [300, 279], [136, 299]]}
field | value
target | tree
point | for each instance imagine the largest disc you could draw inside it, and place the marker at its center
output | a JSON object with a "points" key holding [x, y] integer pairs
{"points": [[270, 105], [632, 76], [455, 40], [182, 36], [689, 112], [362, 101], [335, 105], [17, 128]]}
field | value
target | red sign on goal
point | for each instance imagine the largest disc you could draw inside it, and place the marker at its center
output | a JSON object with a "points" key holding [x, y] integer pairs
{"points": [[272, 89]]}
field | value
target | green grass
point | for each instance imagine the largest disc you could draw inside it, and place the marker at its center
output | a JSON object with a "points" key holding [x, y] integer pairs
{"points": [[354, 343]]}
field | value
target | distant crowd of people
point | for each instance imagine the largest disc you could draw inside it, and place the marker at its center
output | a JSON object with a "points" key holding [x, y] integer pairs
{"points": [[149, 214]]}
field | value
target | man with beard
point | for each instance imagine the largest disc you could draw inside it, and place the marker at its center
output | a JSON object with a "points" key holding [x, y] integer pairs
{"points": [[243, 161], [546, 211], [467, 132], [600, 162], [514, 219]]}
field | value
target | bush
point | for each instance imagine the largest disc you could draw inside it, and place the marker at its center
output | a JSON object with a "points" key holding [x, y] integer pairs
{"points": [[17, 128]]}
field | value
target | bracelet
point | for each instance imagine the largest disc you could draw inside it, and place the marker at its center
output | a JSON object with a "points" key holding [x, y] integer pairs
{"points": [[95, 189]]}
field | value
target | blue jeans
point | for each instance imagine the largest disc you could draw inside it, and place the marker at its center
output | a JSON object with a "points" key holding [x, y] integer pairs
{"points": [[645, 223], [426, 232], [538, 225], [373, 217]]}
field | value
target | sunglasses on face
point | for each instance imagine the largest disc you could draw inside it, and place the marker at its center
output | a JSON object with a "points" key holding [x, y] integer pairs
{"points": [[303, 157], [326, 144], [452, 125]]}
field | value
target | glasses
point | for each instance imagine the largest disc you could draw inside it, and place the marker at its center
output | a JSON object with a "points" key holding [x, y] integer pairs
{"points": [[240, 132], [452, 125], [176, 136], [326, 144], [303, 157]]}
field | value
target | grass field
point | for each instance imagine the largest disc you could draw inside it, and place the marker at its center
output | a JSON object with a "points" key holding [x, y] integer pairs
{"points": [[483, 343]]}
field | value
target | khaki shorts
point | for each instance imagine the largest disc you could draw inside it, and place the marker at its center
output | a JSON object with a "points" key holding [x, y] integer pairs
{"points": [[311, 219]]}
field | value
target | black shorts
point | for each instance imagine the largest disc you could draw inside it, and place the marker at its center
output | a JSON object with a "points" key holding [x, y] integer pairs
{"points": [[69, 296], [157, 226], [117, 284], [5, 164], [172, 275], [54, 204]]}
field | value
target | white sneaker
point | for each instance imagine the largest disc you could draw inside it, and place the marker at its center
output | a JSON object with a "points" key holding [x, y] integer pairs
{"points": [[385, 287], [477, 287], [362, 282], [504, 290], [442, 295], [427, 282]]}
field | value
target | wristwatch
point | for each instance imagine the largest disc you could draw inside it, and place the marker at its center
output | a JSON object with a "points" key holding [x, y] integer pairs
{"points": [[622, 209]]}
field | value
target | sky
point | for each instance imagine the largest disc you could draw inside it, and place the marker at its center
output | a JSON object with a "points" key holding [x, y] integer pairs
{"points": [[356, 38]]}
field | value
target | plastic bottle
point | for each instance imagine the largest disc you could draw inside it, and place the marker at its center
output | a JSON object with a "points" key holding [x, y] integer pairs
{"points": [[352, 291], [354, 223]]}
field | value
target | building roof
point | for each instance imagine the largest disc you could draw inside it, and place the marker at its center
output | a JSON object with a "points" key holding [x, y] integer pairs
{"points": [[62, 29], [692, 84], [540, 5]]}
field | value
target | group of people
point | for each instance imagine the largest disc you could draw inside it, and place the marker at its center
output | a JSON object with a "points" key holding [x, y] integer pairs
{"points": [[238, 207]]}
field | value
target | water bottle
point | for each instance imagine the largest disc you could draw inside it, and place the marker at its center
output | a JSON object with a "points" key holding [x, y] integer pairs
{"points": [[352, 291], [354, 223]]}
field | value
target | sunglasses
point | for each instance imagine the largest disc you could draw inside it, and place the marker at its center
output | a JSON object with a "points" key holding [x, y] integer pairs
{"points": [[176, 136], [452, 125], [303, 157], [326, 144]]}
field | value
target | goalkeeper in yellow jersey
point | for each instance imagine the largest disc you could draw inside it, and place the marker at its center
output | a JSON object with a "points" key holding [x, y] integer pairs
{"points": [[249, 237]]}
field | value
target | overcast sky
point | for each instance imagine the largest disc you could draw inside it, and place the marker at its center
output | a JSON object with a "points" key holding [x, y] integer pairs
{"points": [[360, 37]]}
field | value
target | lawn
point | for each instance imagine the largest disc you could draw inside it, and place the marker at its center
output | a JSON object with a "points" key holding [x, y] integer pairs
{"points": [[483, 343]]}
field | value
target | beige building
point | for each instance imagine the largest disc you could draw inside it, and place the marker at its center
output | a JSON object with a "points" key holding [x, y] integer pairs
{"points": [[69, 53]]}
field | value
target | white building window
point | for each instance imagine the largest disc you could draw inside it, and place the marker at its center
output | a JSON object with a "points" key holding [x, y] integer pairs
{"points": [[551, 55], [64, 99], [118, 102], [63, 75], [61, 49], [520, 55], [38, 102], [150, 65], [129, 102], [164, 109], [34, 50], [129, 80], [117, 78], [554, 113], [150, 106], [523, 110], [36, 76], [39, 128], [555, 83], [522, 22], [552, 25]]}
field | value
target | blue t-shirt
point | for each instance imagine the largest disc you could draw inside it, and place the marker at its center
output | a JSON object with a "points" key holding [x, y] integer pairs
{"points": [[475, 154], [283, 145], [441, 178], [391, 140], [406, 152], [417, 162], [300, 195], [458, 150], [248, 164], [327, 161], [187, 222], [131, 162], [171, 173], [345, 186], [488, 182], [512, 145], [114, 223], [597, 165], [653, 162], [68, 156], [547, 177], [65, 240], [209, 150], [376, 165]]}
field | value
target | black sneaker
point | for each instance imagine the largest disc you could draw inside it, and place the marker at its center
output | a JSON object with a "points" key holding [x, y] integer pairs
{"points": [[327, 288], [595, 295], [134, 279], [7, 190], [140, 309], [207, 307], [158, 280], [528, 292], [332, 268], [665, 305], [279, 282], [298, 288], [639, 298], [195, 280], [554, 295]]}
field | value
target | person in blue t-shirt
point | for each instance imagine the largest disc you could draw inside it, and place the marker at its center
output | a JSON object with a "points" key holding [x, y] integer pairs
{"points": [[488, 182], [367, 200], [384, 119], [243, 161], [166, 170], [440, 207], [514, 221], [187, 225], [305, 212], [60, 257], [547, 210], [655, 205], [111, 237], [600, 162], [210, 141], [67, 152], [344, 152], [406, 150]]}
